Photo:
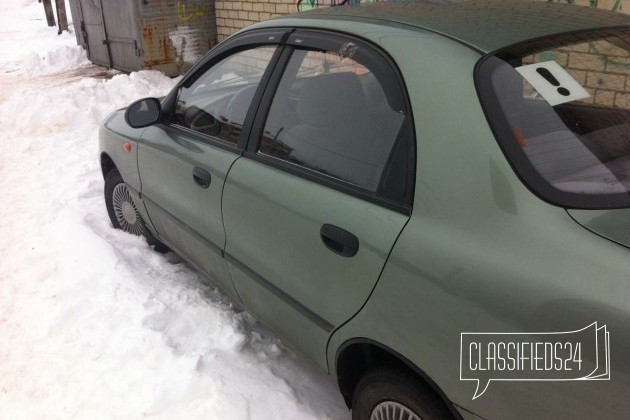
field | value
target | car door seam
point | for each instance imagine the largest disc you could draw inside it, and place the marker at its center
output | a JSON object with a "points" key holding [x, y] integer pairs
{"points": [[378, 279], [211, 245]]}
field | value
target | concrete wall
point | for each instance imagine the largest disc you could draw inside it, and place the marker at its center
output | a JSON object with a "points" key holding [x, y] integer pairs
{"points": [[176, 34], [130, 35]]}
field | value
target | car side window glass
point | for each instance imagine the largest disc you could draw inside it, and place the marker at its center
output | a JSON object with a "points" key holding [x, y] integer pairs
{"points": [[216, 104], [332, 114]]}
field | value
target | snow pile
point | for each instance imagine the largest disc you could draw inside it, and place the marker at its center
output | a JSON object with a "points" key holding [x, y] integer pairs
{"points": [[28, 45], [62, 58], [93, 323], [77, 107]]}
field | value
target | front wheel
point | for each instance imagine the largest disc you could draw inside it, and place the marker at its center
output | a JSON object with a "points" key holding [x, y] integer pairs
{"points": [[123, 212], [394, 394]]}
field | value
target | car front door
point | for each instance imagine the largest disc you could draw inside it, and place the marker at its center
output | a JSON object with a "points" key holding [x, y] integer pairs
{"points": [[314, 206], [183, 162]]}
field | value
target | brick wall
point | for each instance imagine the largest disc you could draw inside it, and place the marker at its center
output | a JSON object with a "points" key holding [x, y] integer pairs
{"points": [[600, 67], [234, 15]]}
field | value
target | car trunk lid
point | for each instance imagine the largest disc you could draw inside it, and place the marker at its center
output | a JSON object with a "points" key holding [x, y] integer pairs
{"points": [[613, 224]]}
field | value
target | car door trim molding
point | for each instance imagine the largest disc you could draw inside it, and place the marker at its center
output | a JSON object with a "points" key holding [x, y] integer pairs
{"points": [[306, 312], [209, 244], [180, 130], [328, 181]]}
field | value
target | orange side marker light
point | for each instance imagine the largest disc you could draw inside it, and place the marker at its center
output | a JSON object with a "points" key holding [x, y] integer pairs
{"points": [[519, 137], [127, 147]]}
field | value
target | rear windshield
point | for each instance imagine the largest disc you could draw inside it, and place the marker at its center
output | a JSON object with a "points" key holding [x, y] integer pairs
{"points": [[560, 108]]}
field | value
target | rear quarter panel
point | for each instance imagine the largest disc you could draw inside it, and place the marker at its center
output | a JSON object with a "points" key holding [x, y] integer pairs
{"points": [[481, 253]]}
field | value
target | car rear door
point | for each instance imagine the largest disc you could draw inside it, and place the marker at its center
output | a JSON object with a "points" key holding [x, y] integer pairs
{"points": [[314, 207], [183, 163]]}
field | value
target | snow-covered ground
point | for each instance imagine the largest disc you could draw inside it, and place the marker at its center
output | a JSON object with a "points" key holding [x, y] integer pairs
{"points": [[93, 323]]}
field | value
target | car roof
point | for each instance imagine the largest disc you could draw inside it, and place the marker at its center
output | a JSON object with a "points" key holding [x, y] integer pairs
{"points": [[485, 25]]}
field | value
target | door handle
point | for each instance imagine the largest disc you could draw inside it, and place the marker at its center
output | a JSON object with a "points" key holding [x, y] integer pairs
{"points": [[339, 240], [202, 177]]}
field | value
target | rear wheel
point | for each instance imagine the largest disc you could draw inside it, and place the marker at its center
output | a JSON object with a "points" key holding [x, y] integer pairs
{"points": [[394, 394], [123, 212]]}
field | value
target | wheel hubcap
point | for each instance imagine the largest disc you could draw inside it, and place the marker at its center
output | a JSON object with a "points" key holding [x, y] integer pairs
{"points": [[125, 211], [391, 410]]}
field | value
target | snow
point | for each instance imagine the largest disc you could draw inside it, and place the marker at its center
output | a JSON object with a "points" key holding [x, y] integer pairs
{"points": [[28, 44], [93, 323]]}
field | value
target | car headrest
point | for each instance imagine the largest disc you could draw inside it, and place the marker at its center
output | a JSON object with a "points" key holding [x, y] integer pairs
{"points": [[327, 98], [239, 104]]}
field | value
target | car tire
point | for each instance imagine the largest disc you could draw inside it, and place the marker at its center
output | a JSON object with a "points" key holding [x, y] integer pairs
{"points": [[388, 393], [123, 212]]}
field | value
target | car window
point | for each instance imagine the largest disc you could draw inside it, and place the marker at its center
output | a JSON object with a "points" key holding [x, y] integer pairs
{"points": [[563, 105], [217, 102], [331, 115]]}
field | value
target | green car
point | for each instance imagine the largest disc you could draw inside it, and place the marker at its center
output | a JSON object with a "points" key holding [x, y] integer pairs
{"points": [[428, 199]]}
